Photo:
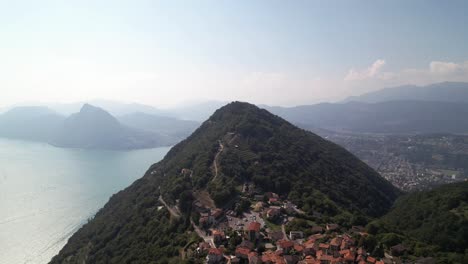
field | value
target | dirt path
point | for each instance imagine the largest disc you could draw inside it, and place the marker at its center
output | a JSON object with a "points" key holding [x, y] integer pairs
{"points": [[201, 234], [216, 158], [284, 232], [171, 210]]}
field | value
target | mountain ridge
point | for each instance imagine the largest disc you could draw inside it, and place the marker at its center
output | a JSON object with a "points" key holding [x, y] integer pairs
{"points": [[443, 92], [92, 127], [249, 145]]}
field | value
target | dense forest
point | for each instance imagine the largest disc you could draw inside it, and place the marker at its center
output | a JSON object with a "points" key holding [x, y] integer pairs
{"points": [[257, 147], [430, 223]]}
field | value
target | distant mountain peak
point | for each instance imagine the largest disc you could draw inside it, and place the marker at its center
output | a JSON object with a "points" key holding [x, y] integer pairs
{"points": [[90, 108]]}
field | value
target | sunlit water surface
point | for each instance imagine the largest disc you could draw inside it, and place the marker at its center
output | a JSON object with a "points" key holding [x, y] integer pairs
{"points": [[47, 193]]}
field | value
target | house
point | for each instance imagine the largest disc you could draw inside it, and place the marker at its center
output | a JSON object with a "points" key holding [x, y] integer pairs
{"points": [[273, 200], [332, 227], [217, 214], [242, 253], [335, 244], [290, 259], [247, 244], [270, 257], [285, 245], [275, 235], [203, 247], [254, 258], [215, 255], [371, 260], [259, 206], [349, 257], [325, 259], [207, 218], [271, 195], [298, 248], [253, 231], [273, 213], [317, 229], [218, 236], [309, 260], [296, 235], [309, 249], [324, 247]]}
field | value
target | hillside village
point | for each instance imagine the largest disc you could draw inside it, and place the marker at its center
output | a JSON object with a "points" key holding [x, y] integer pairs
{"points": [[261, 234]]}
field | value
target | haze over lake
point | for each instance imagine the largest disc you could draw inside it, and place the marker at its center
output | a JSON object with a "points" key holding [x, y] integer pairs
{"points": [[47, 193]]}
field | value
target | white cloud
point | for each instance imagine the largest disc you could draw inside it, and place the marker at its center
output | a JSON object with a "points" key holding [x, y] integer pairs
{"points": [[372, 71], [444, 68], [373, 78]]}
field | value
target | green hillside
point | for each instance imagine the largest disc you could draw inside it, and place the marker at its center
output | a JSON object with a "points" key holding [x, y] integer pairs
{"points": [[239, 144], [429, 223]]}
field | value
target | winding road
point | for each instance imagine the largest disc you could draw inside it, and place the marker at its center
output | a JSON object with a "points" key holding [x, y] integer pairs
{"points": [[215, 160]]}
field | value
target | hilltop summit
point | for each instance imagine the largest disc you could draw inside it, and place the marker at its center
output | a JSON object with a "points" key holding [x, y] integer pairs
{"points": [[240, 145], [95, 128]]}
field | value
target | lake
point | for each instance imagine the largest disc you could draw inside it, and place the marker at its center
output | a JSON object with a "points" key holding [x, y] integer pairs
{"points": [[47, 193]]}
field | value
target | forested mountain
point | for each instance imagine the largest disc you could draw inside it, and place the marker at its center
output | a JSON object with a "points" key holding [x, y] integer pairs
{"points": [[442, 92], [30, 123], [95, 128], [386, 117], [429, 223], [115, 108], [238, 144]]}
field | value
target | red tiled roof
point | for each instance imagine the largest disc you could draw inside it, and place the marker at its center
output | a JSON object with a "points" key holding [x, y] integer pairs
{"points": [[323, 245], [371, 259], [254, 226], [326, 257], [218, 233], [298, 248], [215, 251], [349, 256], [242, 251], [285, 243], [335, 242]]}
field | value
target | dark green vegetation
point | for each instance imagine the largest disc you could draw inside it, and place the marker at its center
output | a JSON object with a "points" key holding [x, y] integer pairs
{"points": [[93, 128], [239, 143], [431, 223], [278, 157]]}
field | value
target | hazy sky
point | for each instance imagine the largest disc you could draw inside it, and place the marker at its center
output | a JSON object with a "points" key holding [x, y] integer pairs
{"points": [[273, 52]]}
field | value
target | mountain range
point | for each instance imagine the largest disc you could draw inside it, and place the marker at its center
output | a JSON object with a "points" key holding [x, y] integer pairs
{"points": [[392, 117], [239, 144], [435, 108], [438, 92], [93, 128]]}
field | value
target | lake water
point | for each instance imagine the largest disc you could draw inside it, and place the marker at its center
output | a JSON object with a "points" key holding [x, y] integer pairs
{"points": [[47, 193]]}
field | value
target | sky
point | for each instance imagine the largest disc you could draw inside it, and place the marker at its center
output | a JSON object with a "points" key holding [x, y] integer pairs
{"points": [[286, 53]]}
